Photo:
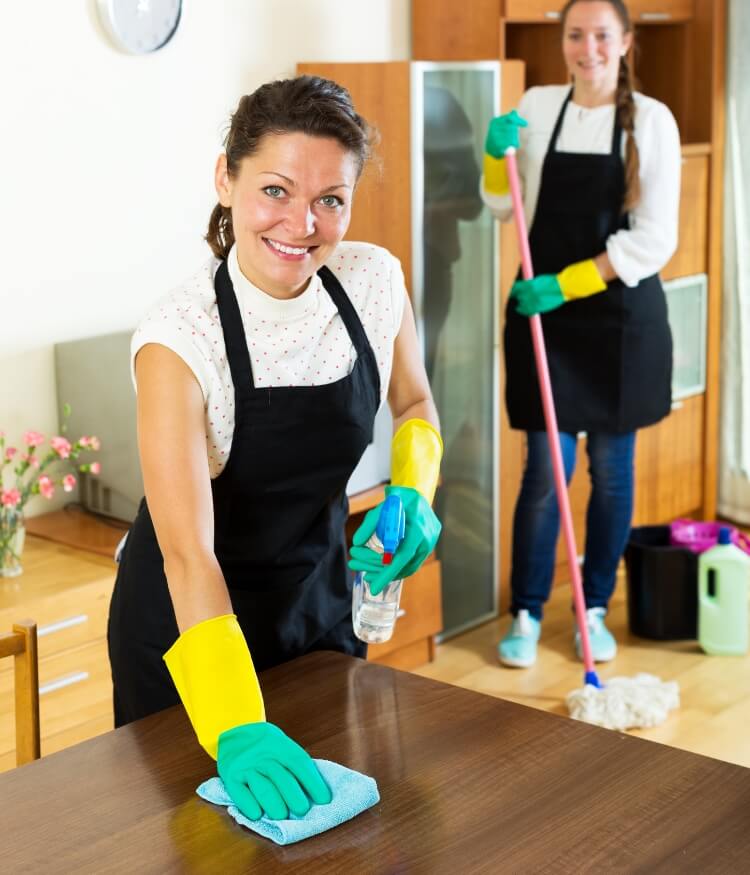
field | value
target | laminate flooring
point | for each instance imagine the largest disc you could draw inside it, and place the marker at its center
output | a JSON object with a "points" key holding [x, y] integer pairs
{"points": [[715, 691]]}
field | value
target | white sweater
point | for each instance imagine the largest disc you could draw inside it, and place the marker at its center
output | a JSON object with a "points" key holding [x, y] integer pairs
{"points": [[299, 342], [649, 243]]}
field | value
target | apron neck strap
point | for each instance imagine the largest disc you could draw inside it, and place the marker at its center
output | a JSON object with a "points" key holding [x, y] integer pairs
{"points": [[616, 128], [238, 355], [346, 310], [234, 333]]}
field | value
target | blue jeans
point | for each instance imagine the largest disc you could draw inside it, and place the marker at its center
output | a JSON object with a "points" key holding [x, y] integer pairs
{"points": [[536, 523]]}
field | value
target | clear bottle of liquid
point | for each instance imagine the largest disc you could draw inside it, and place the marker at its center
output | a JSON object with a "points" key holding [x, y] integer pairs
{"points": [[723, 575], [374, 616]]}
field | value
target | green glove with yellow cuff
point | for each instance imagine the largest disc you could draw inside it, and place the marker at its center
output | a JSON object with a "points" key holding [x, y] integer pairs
{"points": [[549, 291], [416, 451], [263, 770], [502, 133]]}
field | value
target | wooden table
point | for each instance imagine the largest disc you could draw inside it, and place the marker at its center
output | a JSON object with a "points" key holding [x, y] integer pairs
{"points": [[469, 783]]}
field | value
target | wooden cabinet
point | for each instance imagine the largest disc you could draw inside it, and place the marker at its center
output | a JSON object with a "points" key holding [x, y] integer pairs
{"points": [[66, 592], [533, 10], [692, 253], [641, 11], [660, 11], [448, 31], [668, 465], [420, 618]]}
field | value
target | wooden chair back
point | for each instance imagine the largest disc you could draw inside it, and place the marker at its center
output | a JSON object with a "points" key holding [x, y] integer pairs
{"points": [[21, 645]]}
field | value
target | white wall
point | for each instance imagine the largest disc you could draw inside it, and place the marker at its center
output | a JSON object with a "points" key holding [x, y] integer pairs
{"points": [[106, 159]]}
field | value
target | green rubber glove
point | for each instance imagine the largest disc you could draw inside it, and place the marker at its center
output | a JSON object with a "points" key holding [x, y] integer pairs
{"points": [[538, 295], [502, 133], [421, 533], [265, 772], [549, 291]]}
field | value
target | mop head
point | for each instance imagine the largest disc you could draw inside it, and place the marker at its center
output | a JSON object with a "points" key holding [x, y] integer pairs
{"points": [[625, 703]]}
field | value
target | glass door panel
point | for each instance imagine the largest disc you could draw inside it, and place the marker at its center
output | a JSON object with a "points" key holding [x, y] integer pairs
{"points": [[456, 307]]}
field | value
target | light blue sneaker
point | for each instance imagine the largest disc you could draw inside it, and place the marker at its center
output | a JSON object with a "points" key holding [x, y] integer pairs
{"points": [[518, 648], [603, 644]]}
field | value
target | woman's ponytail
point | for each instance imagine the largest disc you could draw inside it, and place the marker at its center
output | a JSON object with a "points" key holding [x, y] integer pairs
{"points": [[625, 104], [220, 235]]}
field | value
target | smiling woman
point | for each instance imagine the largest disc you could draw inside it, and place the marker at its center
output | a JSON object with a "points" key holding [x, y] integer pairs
{"points": [[288, 219], [600, 166], [262, 374]]}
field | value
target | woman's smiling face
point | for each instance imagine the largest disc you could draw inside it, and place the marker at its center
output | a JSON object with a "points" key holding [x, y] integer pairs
{"points": [[594, 42], [291, 206]]}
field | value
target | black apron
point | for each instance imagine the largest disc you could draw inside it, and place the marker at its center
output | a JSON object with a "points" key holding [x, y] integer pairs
{"points": [[280, 510], [610, 355]]}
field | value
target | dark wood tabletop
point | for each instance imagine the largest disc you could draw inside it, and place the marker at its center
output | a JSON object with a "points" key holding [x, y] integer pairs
{"points": [[468, 783]]}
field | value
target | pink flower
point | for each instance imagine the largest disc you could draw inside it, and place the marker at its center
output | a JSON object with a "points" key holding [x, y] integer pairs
{"points": [[94, 443], [61, 446], [33, 438], [10, 452], [46, 486], [33, 461], [69, 482], [95, 468], [10, 497]]}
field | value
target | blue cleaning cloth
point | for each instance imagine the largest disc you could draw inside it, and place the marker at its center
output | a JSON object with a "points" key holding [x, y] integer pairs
{"points": [[352, 792]]}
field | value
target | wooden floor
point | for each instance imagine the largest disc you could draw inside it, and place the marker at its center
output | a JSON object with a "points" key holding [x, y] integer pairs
{"points": [[715, 691]]}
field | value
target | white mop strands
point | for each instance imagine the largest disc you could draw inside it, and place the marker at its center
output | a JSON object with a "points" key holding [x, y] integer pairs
{"points": [[625, 703]]}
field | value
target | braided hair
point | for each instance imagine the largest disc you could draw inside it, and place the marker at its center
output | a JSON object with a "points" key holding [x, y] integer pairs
{"points": [[625, 107]]}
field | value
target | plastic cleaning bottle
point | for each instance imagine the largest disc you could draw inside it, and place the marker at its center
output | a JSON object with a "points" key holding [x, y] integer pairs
{"points": [[723, 575], [374, 616]]}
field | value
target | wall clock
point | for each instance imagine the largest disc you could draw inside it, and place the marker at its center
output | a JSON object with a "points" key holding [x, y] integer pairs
{"points": [[140, 26]]}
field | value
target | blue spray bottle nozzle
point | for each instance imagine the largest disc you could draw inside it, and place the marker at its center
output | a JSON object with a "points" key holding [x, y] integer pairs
{"points": [[391, 526]]}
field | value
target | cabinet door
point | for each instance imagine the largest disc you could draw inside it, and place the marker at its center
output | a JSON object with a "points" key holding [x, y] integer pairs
{"points": [[690, 257], [669, 465], [660, 11], [533, 10], [443, 30], [641, 11], [420, 614]]}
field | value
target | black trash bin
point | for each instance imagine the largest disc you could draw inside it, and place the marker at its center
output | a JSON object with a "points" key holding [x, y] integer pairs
{"points": [[662, 583]]}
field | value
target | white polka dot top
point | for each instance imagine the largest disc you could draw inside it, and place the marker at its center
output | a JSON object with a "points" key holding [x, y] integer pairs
{"points": [[299, 342]]}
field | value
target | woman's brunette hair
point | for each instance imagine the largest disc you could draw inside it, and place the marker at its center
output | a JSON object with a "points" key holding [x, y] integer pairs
{"points": [[308, 105], [625, 105]]}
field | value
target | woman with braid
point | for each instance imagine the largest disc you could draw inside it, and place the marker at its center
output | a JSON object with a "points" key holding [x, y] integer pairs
{"points": [[600, 170]]}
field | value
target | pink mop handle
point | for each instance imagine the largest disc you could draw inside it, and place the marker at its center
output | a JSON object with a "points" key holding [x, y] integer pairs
{"points": [[550, 417]]}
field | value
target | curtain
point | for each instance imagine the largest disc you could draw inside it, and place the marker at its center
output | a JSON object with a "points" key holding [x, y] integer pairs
{"points": [[734, 453]]}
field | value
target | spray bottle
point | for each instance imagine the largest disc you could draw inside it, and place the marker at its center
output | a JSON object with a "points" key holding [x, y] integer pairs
{"points": [[374, 616]]}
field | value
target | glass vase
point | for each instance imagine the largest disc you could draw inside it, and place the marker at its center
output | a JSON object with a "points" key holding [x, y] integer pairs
{"points": [[12, 537]]}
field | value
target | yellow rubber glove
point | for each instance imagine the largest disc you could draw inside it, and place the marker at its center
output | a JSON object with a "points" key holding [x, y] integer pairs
{"points": [[213, 671], [495, 175], [416, 451], [581, 280]]}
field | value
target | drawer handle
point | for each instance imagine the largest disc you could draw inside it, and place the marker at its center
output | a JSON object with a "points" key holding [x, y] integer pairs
{"points": [[66, 680], [50, 628], [655, 16], [677, 405], [400, 613], [553, 16]]}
